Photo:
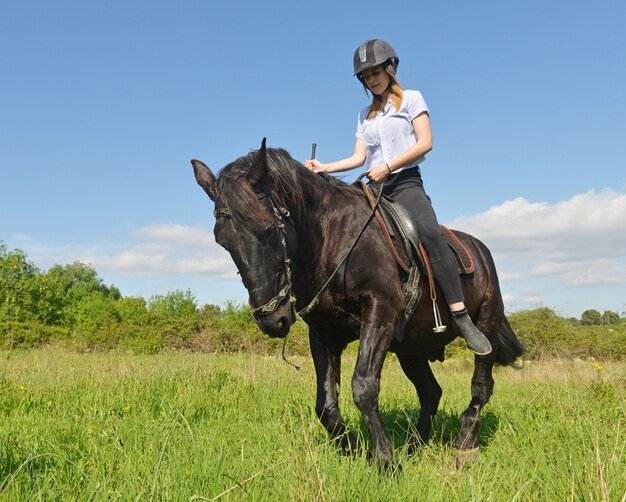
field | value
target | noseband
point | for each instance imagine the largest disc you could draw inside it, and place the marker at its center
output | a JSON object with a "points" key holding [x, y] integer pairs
{"points": [[281, 214]]}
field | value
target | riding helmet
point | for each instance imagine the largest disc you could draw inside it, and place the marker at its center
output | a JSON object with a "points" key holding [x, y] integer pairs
{"points": [[373, 53]]}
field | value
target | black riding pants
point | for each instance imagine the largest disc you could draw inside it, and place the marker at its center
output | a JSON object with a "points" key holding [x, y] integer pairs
{"points": [[407, 188]]}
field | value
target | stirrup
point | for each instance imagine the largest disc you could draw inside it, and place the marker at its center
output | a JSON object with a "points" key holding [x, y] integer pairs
{"points": [[439, 326]]}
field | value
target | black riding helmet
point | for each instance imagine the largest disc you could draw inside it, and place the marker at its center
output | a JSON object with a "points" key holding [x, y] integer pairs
{"points": [[373, 53]]}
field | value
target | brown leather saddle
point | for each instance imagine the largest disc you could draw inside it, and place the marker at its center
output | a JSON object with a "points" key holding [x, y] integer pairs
{"points": [[403, 240]]}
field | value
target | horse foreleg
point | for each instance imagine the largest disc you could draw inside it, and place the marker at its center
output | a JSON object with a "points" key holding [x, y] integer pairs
{"points": [[482, 388], [418, 370], [366, 384], [327, 362]]}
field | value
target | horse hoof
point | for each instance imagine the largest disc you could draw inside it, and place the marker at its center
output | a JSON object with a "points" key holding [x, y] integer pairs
{"points": [[465, 456], [349, 444]]}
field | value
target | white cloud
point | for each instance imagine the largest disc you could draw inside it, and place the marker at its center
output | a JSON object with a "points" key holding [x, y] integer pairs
{"points": [[587, 226], [578, 242], [569, 253], [584, 273], [506, 275], [169, 249], [156, 250], [170, 232]]}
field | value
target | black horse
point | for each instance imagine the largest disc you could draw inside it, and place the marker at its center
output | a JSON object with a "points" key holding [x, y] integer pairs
{"points": [[287, 230]]}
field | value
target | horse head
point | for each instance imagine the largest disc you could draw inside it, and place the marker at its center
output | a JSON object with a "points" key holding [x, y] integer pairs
{"points": [[256, 232]]}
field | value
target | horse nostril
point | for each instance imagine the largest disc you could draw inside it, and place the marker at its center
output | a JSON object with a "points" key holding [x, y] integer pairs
{"points": [[282, 322]]}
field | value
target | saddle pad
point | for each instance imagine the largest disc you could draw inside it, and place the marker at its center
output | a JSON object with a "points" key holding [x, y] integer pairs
{"points": [[463, 259]]}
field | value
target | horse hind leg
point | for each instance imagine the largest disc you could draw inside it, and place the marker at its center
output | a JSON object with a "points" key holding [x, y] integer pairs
{"points": [[467, 448], [429, 392], [489, 320]]}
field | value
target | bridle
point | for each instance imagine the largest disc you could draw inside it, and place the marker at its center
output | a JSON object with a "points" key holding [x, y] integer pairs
{"points": [[281, 216]]}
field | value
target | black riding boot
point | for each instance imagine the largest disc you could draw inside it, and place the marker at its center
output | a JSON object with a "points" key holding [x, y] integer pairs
{"points": [[476, 341]]}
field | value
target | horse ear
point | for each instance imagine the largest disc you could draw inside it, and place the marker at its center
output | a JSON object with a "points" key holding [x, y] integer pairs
{"points": [[258, 169], [204, 177]]}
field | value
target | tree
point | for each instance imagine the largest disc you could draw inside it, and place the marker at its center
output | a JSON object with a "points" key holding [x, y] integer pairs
{"points": [[67, 287], [18, 294], [131, 308], [610, 317], [81, 279], [175, 303], [591, 317], [27, 294]]}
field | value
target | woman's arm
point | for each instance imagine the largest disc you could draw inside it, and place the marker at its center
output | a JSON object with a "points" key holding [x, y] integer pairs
{"points": [[357, 159], [424, 144]]}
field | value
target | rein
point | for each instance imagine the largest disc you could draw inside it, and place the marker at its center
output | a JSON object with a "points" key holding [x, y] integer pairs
{"points": [[315, 299]]}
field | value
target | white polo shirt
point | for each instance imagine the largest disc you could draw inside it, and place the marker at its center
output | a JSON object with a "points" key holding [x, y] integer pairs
{"points": [[390, 133]]}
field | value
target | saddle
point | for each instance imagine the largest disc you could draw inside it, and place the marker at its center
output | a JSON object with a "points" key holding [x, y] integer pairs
{"points": [[398, 227]]}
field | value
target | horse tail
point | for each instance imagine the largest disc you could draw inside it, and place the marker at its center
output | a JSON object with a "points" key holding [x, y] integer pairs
{"points": [[510, 347]]}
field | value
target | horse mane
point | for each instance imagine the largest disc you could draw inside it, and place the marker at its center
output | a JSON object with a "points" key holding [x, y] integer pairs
{"points": [[290, 183]]}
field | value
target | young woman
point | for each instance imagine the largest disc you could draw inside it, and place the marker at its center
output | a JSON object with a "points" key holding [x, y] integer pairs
{"points": [[392, 138]]}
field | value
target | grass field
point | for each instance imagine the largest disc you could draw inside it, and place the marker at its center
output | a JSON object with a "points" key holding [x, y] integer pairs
{"points": [[204, 427]]}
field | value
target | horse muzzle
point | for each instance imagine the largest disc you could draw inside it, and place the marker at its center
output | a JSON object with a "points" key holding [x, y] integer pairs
{"points": [[278, 323]]}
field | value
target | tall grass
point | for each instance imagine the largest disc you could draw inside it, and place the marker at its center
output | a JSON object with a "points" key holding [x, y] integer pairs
{"points": [[242, 426]]}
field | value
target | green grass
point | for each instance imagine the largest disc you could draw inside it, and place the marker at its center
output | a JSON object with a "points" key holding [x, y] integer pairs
{"points": [[234, 427]]}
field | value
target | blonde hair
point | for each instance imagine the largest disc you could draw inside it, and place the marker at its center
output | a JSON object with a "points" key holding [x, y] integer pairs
{"points": [[395, 94]]}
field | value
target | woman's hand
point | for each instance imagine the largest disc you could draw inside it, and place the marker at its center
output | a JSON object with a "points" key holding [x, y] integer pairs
{"points": [[378, 173], [314, 165]]}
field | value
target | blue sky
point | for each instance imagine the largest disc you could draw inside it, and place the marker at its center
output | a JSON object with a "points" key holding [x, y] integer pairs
{"points": [[103, 104]]}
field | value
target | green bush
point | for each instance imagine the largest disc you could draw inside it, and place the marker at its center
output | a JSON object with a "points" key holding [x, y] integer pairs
{"points": [[546, 334], [176, 303], [541, 330], [28, 334], [131, 309], [603, 342]]}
